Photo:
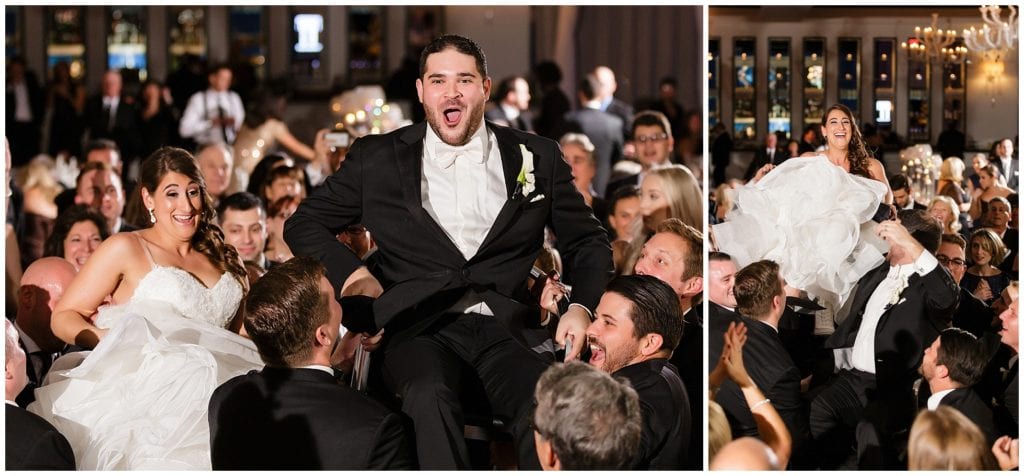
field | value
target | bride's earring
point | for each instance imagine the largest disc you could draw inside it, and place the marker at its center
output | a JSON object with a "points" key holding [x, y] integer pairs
{"points": [[152, 217]]}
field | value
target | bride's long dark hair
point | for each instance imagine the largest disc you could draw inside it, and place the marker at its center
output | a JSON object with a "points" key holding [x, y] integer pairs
{"points": [[856, 152], [209, 239]]}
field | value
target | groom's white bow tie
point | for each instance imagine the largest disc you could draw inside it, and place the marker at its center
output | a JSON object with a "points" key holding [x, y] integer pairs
{"points": [[445, 154]]}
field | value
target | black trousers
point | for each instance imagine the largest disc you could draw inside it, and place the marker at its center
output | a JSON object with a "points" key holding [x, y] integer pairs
{"points": [[425, 372], [853, 409]]}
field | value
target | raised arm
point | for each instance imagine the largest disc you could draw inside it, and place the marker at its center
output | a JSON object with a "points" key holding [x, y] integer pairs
{"points": [[877, 172], [102, 274]]}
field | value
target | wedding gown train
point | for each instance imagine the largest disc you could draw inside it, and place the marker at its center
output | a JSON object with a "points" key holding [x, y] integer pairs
{"points": [[813, 219], [139, 399]]}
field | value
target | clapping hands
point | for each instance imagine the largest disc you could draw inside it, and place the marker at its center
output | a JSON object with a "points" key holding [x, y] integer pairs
{"points": [[730, 364]]}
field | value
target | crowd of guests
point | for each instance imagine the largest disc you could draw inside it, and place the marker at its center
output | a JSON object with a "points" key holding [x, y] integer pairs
{"points": [[918, 369], [631, 406]]}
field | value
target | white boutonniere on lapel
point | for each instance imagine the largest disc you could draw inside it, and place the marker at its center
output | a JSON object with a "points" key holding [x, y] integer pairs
{"points": [[526, 182], [897, 292]]}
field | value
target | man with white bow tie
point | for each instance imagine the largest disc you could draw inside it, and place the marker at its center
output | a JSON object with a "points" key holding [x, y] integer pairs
{"points": [[458, 211], [215, 115], [897, 310]]}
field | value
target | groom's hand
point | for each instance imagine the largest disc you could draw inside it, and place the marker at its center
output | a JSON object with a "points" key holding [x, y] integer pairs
{"points": [[362, 283], [894, 233]]}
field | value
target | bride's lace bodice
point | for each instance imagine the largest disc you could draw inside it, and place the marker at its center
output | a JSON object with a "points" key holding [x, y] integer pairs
{"points": [[188, 296]]}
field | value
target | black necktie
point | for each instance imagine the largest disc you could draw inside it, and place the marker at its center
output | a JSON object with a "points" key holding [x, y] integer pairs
{"points": [[223, 126], [106, 116]]}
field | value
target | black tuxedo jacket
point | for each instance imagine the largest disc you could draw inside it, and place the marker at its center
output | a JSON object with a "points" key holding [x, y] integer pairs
{"points": [[33, 443], [302, 419], [773, 370], [761, 159], [968, 402], [666, 413], [1007, 409], [422, 271], [925, 308], [125, 130]]}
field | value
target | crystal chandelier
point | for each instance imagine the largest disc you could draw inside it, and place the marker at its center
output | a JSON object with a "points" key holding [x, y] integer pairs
{"points": [[935, 44], [995, 34]]}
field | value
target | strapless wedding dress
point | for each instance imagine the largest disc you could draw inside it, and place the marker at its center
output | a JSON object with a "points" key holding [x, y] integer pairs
{"points": [[813, 219], [139, 400]]}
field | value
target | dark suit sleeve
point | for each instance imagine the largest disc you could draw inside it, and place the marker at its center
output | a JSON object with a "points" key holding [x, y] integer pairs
{"points": [[336, 204], [785, 396], [583, 244], [392, 448], [941, 296], [50, 451]]}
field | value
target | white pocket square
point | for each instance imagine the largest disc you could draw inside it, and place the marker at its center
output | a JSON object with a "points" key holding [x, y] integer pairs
{"points": [[538, 197]]}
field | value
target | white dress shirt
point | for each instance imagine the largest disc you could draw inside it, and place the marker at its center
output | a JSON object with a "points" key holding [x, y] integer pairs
{"points": [[203, 107], [887, 294], [465, 197], [936, 398], [322, 368], [22, 108]]}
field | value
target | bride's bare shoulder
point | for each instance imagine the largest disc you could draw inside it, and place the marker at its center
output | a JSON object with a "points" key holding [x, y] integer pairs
{"points": [[810, 154]]}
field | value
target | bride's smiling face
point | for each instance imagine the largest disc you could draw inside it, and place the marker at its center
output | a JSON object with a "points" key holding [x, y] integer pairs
{"points": [[837, 129], [177, 204]]}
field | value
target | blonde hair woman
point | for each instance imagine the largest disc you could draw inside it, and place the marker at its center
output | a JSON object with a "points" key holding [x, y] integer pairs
{"points": [[944, 209], [946, 440], [951, 176], [671, 192], [39, 190]]}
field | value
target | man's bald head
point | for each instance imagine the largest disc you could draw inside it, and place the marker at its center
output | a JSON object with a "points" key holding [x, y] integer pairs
{"points": [[42, 285], [745, 454]]}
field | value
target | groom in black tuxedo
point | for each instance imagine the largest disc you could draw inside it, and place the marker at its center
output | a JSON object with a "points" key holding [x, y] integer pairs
{"points": [[898, 309], [458, 211]]}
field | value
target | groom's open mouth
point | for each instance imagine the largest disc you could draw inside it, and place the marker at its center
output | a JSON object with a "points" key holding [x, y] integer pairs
{"points": [[452, 116]]}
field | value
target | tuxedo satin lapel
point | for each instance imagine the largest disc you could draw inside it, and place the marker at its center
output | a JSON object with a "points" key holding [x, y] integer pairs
{"points": [[511, 164], [409, 154]]}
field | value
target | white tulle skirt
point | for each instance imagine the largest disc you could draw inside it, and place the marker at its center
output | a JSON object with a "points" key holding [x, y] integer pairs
{"points": [[814, 220], [139, 399]]}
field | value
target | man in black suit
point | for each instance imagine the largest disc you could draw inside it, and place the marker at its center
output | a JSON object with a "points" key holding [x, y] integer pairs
{"points": [[293, 414], [652, 136], [771, 153], [611, 104], [972, 314], [761, 301], [898, 308], [512, 104], [32, 442], [722, 305], [950, 367], [458, 211], [997, 219], [603, 129], [637, 325], [24, 112], [1007, 395], [903, 195], [41, 286], [1008, 166], [109, 115], [675, 256]]}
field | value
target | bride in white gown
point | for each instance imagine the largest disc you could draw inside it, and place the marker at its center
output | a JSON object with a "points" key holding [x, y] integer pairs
{"points": [[813, 215], [139, 399]]}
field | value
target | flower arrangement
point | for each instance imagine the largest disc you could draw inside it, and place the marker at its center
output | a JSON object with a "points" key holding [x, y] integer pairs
{"points": [[364, 110]]}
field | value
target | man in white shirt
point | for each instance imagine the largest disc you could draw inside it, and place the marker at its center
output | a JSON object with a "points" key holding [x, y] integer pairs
{"points": [[214, 115], [899, 308]]}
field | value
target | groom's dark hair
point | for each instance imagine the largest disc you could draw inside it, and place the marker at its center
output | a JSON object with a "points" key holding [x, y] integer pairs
{"points": [[923, 227], [461, 44], [284, 309]]}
